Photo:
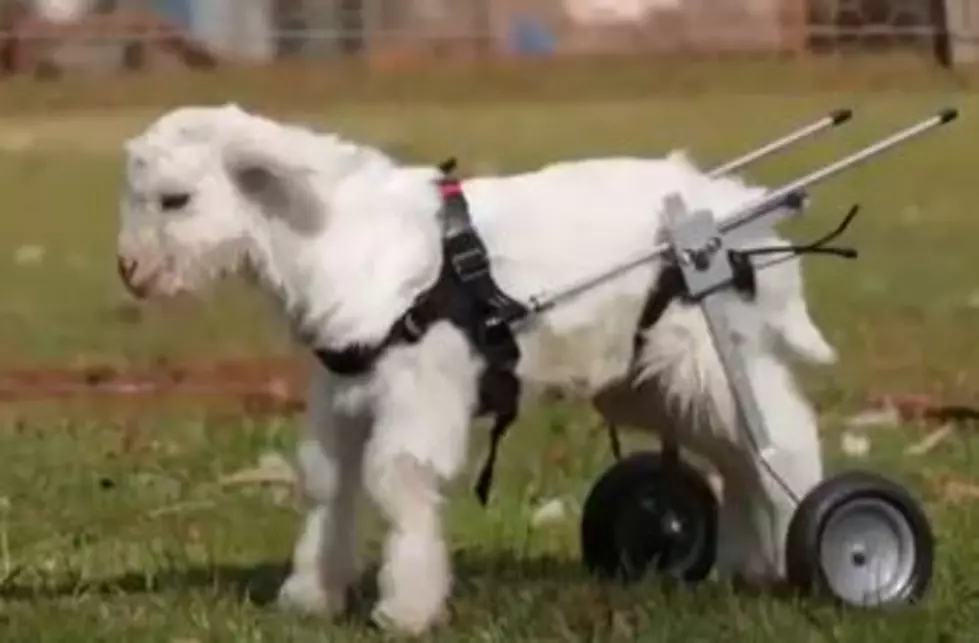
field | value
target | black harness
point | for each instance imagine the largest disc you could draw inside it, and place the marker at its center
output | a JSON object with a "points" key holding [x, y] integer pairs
{"points": [[466, 296]]}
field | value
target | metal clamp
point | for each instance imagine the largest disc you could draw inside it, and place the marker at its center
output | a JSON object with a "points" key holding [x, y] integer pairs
{"points": [[699, 250]]}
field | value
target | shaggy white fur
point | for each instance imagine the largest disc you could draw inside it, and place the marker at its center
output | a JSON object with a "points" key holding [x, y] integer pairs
{"points": [[344, 238]]}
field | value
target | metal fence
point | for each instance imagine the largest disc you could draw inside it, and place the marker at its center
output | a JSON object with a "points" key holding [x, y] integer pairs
{"points": [[39, 34]]}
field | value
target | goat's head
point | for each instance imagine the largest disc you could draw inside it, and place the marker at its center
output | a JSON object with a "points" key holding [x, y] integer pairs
{"points": [[183, 219], [319, 219]]}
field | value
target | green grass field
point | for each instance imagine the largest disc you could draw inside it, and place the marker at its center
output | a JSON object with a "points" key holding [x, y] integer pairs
{"points": [[114, 526]]}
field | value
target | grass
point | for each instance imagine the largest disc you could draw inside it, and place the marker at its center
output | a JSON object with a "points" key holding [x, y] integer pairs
{"points": [[114, 528]]}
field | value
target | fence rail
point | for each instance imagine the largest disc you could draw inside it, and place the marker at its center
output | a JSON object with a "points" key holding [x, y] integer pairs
{"points": [[46, 35]]}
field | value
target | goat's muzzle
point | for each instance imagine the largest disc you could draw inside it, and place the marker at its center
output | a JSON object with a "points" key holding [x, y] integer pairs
{"points": [[136, 281]]}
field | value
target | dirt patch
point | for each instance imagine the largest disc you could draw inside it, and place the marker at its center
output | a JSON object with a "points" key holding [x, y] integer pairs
{"points": [[257, 386]]}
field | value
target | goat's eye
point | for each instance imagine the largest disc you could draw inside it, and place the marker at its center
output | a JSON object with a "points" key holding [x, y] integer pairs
{"points": [[174, 201]]}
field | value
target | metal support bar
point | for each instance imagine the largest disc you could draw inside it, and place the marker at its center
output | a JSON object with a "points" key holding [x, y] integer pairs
{"points": [[705, 275], [764, 206], [745, 401], [833, 119], [790, 196]]}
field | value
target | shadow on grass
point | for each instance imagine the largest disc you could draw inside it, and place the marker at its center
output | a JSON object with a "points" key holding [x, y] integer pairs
{"points": [[499, 584], [255, 583], [474, 571], [259, 583]]}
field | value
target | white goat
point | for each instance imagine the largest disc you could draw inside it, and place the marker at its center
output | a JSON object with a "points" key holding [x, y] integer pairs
{"points": [[344, 238]]}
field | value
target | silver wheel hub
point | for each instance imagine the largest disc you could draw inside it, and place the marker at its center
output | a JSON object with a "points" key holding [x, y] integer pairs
{"points": [[867, 552]]}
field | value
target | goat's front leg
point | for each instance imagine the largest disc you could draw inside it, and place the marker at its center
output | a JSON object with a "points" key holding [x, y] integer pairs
{"points": [[330, 455], [423, 411], [761, 498]]}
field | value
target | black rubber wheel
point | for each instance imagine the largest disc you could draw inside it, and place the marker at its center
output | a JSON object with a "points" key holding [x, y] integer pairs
{"points": [[645, 513], [862, 539]]}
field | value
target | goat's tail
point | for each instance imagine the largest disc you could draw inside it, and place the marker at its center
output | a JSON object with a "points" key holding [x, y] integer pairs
{"points": [[801, 335]]}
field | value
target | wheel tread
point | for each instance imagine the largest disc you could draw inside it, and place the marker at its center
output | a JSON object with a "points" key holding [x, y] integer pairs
{"points": [[609, 496], [808, 523]]}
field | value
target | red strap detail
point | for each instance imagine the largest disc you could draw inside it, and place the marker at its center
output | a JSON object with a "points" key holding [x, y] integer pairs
{"points": [[450, 188]]}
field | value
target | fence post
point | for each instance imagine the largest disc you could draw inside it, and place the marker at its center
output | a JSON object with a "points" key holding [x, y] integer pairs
{"points": [[962, 17], [794, 26]]}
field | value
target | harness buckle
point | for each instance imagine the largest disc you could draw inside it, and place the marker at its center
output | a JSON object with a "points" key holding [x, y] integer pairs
{"points": [[470, 264]]}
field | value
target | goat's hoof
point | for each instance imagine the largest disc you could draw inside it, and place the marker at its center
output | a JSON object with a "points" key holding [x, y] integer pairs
{"points": [[304, 594], [393, 618], [757, 583]]}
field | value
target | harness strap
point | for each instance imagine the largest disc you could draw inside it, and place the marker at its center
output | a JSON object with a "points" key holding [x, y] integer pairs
{"points": [[466, 295], [467, 252], [500, 394], [353, 360], [669, 286], [359, 359], [499, 387]]}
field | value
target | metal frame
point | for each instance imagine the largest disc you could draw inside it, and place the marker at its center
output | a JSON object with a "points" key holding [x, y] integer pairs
{"points": [[697, 241], [697, 244]]}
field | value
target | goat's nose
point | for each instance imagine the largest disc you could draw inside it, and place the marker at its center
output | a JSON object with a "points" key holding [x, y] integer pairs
{"points": [[127, 268]]}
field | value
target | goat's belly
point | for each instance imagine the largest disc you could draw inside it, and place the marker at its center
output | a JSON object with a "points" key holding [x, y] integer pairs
{"points": [[580, 359]]}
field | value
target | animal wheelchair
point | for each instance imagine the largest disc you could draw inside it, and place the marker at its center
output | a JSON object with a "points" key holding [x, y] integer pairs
{"points": [[857, 536]]}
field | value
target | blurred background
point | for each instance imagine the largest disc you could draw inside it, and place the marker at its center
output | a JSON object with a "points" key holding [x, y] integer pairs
{"points": [[122, 422], [47, 37]]}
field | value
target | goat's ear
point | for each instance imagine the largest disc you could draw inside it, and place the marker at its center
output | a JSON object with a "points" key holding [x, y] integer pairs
{"points": [[265, 169]]}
